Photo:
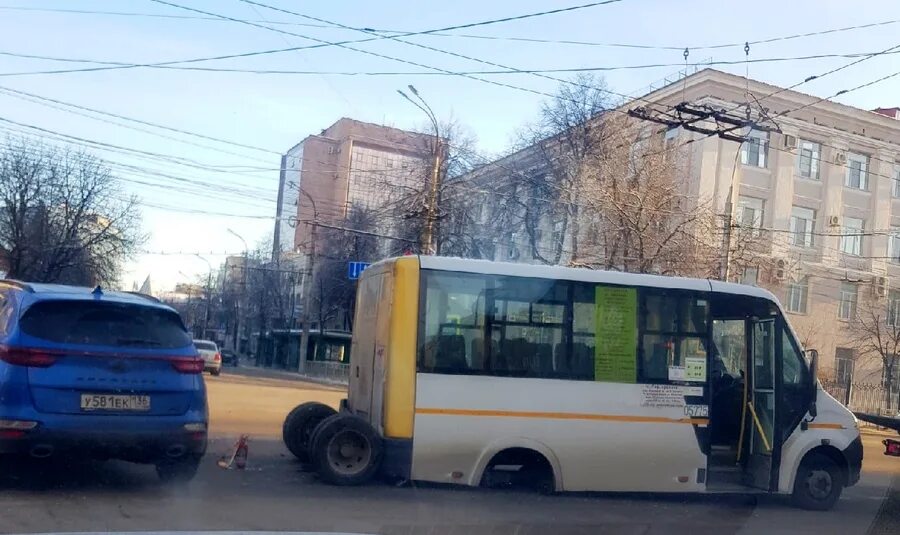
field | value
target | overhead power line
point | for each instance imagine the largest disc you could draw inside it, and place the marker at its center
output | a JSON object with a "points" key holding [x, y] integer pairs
{"points": [[430, 48], [138, 121], [471, 36], [368, 52], [431, 73], [320, 42]]}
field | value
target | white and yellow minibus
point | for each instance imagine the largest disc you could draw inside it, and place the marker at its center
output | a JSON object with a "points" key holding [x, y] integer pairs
{"points": [[489, 373]]}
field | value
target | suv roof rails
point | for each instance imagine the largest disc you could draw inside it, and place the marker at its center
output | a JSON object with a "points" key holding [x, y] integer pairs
{"points": [[17, 284], [145, 296]]}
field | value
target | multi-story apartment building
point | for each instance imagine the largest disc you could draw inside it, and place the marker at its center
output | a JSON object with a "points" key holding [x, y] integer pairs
{"points": [[351, 164], [824, 195]]}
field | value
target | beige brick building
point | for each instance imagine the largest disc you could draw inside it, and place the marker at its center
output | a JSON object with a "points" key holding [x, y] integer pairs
{"points": [[824, 194], [349, 164]]}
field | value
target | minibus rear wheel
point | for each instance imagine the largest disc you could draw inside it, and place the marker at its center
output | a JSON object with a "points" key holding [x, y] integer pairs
{"points": [[346, 450], [299, 425]]}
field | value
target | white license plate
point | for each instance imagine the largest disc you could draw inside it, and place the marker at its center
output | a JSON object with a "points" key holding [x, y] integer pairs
{"points": [[112, 402]]}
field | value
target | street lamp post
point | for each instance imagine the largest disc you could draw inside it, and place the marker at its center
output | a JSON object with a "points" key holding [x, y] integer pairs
{"points": [[241, 308], [208, 294], [428, 244]]}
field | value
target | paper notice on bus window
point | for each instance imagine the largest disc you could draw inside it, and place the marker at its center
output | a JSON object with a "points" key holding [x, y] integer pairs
{"points": [[695, 369], [676, 373], [615, 351]]}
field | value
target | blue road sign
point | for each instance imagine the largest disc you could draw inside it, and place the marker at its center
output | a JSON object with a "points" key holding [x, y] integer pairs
{"points": [[355, 268]]}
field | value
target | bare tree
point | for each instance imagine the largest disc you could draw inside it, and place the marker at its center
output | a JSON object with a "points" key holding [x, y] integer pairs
{"points": [[334, 292], [63, 217], [643, 218], [560, 149], [874, 335], [408, 191]]}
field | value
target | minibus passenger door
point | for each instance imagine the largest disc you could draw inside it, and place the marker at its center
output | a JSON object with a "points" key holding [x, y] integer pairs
{"points": [[759, 413]]}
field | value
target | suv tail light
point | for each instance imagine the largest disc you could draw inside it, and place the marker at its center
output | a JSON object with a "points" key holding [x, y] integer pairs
{"points": [[23, 356], [187, 364], [218, 357]]}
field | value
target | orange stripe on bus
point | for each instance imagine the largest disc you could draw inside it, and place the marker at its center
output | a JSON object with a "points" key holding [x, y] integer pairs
{"points": [[826, 426], [564, 416]]}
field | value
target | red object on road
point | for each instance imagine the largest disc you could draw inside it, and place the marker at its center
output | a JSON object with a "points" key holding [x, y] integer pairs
{"points": [[241, 452], [891, 447]]}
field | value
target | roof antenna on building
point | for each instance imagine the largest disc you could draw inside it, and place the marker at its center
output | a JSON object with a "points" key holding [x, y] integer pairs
{"points": [[684, 78], [747, 76]]}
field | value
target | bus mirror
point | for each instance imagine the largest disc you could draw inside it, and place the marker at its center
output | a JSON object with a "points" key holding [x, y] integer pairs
{"points": [[813, 357]]}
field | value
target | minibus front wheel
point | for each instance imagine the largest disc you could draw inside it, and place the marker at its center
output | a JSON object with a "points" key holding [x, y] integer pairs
{"points": [[819, 482]]}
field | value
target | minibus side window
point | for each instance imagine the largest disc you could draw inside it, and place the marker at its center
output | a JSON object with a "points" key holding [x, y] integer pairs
{"points": [[674, 334]]}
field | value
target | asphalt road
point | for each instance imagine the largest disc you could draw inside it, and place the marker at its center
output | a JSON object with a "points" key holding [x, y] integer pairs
{"points": [[275, 494]]}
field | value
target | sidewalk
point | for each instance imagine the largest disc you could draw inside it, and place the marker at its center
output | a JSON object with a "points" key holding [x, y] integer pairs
{"points": [[251, 370]]}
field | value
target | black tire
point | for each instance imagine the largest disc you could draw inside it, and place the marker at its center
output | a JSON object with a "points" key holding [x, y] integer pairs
{"points": [[818, 484], [180, 471], [297, 430], [346, 451], [215, 372]]}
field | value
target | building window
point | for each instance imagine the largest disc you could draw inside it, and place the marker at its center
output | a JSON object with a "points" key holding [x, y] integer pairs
{"points": [[852, 236], [750, 213], [755, 150], [803, 221], [750, 276], [894, 244], [847, 305], [797, 293], [893, 308], [895, 186], [843, 365], [857, 171], [808, 159]]}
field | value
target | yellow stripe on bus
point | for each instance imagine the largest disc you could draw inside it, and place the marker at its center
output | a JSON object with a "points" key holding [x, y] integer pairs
{"points": [[826, 426], [563, 416], [400, 376]]}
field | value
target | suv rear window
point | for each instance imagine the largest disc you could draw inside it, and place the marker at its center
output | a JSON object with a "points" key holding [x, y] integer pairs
{"points": [[206, 346], [106, 324]]}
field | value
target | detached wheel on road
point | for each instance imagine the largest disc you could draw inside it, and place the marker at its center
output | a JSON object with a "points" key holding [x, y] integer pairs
{"points": [[177, 471], [819, 483], [299, 425], [346, 450]]}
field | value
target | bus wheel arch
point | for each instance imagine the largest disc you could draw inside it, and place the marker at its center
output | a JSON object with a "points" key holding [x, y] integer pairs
{"points": [[540, 467], [820, 478]]}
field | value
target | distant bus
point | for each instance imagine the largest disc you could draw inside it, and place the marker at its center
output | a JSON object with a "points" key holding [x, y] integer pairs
{"points": [[487, 373]]}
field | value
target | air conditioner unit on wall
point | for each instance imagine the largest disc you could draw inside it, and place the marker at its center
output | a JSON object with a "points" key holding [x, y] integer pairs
{"points": [[881, 284], [779, 274], [834, 221], [840, 158], [790, 142]]}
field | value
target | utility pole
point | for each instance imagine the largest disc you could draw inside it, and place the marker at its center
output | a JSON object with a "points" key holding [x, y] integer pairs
{"points": [[242, 306], [428, 245], [725, 266], [307, 283]]}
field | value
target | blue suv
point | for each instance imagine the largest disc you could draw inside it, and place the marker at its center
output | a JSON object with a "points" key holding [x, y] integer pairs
{"points": [[110, 375]]}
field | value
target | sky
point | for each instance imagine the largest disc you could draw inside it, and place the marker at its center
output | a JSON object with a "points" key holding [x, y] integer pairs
{"points": [[204, 197]]}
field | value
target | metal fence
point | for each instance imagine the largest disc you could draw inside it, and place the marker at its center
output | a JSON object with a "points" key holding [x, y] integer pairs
{"points": [[864, 397], [337, 372]]}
